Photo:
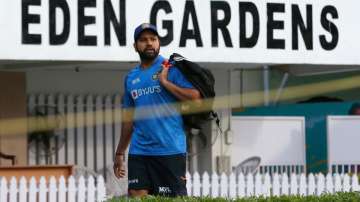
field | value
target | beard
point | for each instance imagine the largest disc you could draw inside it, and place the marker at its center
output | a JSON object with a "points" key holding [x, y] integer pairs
{"points": [[148, 54]]}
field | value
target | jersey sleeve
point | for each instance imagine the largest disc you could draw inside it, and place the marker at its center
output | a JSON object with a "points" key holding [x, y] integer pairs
{"points": [[177, 78], [126, 100]]}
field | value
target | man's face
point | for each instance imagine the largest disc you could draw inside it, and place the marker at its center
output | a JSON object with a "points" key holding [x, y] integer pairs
{"points": [[147, 45]]}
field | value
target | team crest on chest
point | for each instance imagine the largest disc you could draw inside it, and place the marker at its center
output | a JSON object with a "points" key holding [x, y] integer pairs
{"points": [[155, 76]]}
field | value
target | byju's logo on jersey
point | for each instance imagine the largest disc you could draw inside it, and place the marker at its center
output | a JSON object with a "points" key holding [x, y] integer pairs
{"points": [[135, 94]]}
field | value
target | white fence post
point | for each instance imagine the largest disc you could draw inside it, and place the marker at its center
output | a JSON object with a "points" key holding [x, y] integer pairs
{"points": [[206, 184], [32, 190], [188, 184], [223, 185], [71, 189], [302, 185], [320, 184], [42, 189], [81, 190], [23, 189], [346, 183], [337, 184], [249, 185], [214, 185], [13, 190], [241, 185], [329, 185], [62, 189], [284, 184], [293, 184], [91, 189], [3, 189], [276, 185], [232, 186], [52, 189], [258, 185], [355, 183], [311, 185], [196, 184], [101, 192], [266, 189]]}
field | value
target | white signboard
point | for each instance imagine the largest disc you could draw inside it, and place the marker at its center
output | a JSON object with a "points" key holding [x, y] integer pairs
{"points": [[235, 31], [276, 140], [343, 137]]}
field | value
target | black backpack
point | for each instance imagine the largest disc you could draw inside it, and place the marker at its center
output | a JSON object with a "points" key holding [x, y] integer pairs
{"points": [[203, 80]]}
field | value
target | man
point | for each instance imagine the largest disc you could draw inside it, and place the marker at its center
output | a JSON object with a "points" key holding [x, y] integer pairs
{"points": [[157, 154]]}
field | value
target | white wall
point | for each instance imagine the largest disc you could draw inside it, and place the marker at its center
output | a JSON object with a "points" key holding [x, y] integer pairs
{"points": [[277, 140], [343, 140]]}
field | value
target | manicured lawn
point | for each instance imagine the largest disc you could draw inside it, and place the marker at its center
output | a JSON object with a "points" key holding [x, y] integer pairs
{"points": [[338, 197]]}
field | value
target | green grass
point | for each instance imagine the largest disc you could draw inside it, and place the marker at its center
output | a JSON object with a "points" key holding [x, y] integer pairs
{"points": [[338, 197]]}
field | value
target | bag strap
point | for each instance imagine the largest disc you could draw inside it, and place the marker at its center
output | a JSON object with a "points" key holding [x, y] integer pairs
{"points": [[217, 120]]}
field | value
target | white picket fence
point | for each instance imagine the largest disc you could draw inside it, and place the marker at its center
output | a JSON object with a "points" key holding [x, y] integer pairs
{"points": [[61, 190], [231, 186], [91, 189]]}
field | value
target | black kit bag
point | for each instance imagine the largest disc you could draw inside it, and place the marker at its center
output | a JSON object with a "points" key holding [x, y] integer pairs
{"points": [[203, 80]]}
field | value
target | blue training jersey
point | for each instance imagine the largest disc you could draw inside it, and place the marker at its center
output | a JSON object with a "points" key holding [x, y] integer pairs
{"points": [[158, 127]]}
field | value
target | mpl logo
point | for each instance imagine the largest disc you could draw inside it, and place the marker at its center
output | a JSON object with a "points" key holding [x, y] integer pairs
{"points": [[164, 190]]}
